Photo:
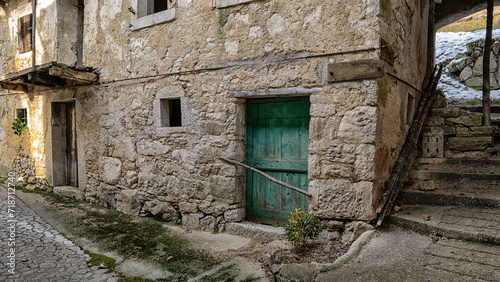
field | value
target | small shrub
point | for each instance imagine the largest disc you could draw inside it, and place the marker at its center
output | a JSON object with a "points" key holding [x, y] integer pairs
{"points": [[302, 226]]}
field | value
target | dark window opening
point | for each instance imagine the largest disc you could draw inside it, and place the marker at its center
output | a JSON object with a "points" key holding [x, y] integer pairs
{"points": [[22, 114], [155, 6], [410, 109], [170, 113], [24, 25]]}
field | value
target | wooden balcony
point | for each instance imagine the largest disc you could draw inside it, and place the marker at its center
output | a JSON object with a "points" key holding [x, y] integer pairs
{"points": [[46, 76]]}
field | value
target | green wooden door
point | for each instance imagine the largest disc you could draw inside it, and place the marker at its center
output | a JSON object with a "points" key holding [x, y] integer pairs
{"points": [[278, 141]]}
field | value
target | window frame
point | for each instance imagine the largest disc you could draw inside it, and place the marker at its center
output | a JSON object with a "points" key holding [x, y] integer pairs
{"points": [[143, 17], [25, 118], [170, 117], [24, 33]]}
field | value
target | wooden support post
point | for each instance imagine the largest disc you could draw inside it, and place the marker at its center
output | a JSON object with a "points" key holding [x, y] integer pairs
{"points": [[486, 66], [268, 177], [33, 37]]}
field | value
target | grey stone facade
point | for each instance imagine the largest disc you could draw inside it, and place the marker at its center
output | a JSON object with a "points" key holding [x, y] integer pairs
{"points": [[128, 159]]}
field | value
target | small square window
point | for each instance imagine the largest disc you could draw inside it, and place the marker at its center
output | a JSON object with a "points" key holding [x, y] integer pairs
{"points": [[170, 113], [22, 114]]}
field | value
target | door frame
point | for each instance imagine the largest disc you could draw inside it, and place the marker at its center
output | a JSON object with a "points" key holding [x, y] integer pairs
{"points": [[267, 216]]}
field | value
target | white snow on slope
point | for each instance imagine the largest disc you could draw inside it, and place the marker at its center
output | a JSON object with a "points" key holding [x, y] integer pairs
{"points": [[448, 45]]}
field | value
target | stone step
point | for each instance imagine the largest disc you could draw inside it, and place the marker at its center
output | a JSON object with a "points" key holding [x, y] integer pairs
{"points": [[451, 176], [493, 109], [460, 161], [466, 192], [477, 224]]}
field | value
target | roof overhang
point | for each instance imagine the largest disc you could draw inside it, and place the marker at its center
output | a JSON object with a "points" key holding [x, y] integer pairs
{"points": [[50, 75]]}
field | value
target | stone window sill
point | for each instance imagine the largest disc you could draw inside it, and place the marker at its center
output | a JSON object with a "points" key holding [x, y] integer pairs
{"points": [[228, 3], [166, 131], [154, 19]]}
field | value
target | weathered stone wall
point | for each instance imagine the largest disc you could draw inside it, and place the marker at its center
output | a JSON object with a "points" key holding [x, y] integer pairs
{"points": [[182, 165], [405, 26], [127, 161], [55, 33], [33, 152]]}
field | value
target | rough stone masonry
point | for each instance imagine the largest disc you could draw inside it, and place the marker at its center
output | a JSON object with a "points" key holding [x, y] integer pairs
{"points": [[195, 53]]}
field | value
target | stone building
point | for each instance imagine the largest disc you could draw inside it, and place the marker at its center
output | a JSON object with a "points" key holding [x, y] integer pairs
{"points": [[132, 103]]}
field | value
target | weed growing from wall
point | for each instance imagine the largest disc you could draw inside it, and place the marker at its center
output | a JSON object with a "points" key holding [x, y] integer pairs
{"points": [[20, 129]]}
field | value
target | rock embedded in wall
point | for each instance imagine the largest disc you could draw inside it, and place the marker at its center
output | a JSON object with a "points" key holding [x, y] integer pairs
{"points": [[2, 133], [359, 125], [110, 170]]}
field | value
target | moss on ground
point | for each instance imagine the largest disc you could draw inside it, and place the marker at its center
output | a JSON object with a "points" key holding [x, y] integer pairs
{"points": [[101, 260], [54, 198], [134, 279], [145, 240]]}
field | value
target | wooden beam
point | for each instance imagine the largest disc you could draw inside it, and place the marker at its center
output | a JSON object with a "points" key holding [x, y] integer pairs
{"points": [[279, 92], [355, 70], [14, 87], [268, 177], [74, 75], [486, 65], [16, 75], [45, 79]]}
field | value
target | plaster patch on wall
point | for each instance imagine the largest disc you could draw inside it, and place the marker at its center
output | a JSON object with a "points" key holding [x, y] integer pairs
{"points": [[313, 18], [276, 24], [232, 47]]}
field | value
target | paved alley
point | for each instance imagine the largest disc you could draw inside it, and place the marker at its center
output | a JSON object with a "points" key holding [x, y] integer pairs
{"points": [[31, 250]]}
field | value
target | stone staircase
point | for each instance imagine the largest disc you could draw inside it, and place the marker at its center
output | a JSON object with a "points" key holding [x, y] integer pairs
{"points": [[454, 190]]}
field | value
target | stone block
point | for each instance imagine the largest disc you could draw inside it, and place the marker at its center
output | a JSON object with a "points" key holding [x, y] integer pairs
{"points": [[472, 120], [106, 196], [191, 220], [70, 192], [235, 215], [478, 131], [359, 125], [213, 208], [335, 225], [477, 81], [342, 199], [440, 101], [128, 202], [432, 144], [470, 143], [154, 148], [188, 207], [446, 112], [466, 74], [159, 209], [207, 223], [110, 170], [365, 163], [434, 121], [224, 188], [355, 229]]}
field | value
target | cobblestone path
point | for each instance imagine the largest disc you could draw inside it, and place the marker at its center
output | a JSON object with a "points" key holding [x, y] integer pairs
{"points": [[40, 252]]}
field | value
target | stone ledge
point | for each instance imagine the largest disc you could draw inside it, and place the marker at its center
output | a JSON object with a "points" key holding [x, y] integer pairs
{"points": [[68, 191], [153, 19], [166, 131], [228, 3], [470, 143]]}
